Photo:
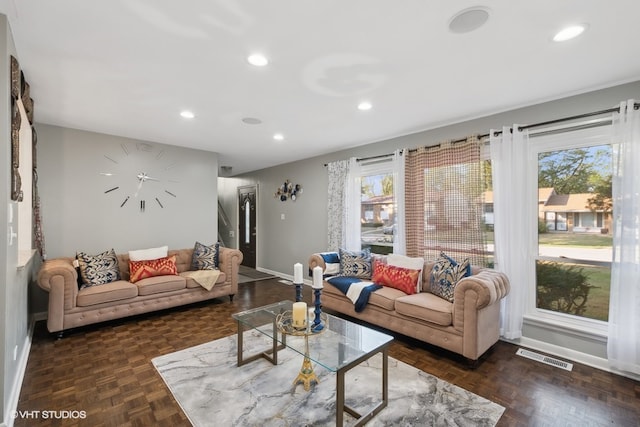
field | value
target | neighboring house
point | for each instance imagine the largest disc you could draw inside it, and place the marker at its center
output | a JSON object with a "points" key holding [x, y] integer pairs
{"points": [[561, 212], [377, 210], [570, 212]]}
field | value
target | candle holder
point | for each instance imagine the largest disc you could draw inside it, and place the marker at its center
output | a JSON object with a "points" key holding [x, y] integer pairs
{"points": [[298, 291], [317, 325], [284, 322]]}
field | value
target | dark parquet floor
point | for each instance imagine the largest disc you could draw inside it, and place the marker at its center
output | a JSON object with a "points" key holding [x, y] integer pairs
{"points": [[105, 370]]}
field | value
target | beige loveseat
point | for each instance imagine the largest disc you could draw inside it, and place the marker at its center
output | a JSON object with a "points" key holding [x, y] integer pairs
{"points": [[70, 307], [468, 326]]}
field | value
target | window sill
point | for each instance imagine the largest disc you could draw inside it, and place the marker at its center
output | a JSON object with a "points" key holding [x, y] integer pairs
{"points": [[24, 258], [593, 330]]}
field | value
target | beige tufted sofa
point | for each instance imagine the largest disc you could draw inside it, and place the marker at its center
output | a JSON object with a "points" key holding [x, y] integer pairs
{"points": [[70, 307], [468, 326]]}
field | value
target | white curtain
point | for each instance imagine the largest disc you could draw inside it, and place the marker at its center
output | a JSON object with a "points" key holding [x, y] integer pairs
{"points": [[512, 216], [399, 238], [352, 206], [337, 221], [623, 346]]}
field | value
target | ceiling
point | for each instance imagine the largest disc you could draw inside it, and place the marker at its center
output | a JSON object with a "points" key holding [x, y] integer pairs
{"points": [[129, 67]]}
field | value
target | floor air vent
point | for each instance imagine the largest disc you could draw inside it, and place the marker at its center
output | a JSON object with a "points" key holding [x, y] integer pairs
{"points": [[545, 359]]}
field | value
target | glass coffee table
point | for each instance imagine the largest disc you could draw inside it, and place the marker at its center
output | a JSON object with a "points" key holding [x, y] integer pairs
{"points": [[342, 346]]}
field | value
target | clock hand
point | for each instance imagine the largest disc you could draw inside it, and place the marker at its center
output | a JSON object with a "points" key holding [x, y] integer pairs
{"points": [[144, 177], [139, 187]]}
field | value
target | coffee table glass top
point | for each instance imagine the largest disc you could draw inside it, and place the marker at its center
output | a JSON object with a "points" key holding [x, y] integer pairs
{"points": [[342, 342]]}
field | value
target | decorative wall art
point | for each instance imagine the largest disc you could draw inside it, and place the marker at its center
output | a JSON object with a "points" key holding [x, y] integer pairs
{"points": [[288, 191], [16, 182]]}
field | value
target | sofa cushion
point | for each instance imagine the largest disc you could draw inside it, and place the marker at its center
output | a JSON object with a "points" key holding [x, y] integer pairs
{"points": [[355, 263], [445, 274], [404, 279], [205, 257], [151, 268], [427, 307], [113, 291], [385, 297], [160, 284], [191, 283], [98, 269]]}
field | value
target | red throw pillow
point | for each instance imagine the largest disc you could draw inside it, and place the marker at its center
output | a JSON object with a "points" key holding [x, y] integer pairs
{"points": [[139, 270], [400, 278]]}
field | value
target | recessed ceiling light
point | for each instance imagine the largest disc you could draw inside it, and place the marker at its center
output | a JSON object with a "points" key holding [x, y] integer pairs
{"points": [[468, 20], [364, 106], [278, 137], [187, 114], [569, 33], [251, 121], [258, 60]]}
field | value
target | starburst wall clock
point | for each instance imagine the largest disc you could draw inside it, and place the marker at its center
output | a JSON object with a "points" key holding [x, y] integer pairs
{"points": [[141, 176]]}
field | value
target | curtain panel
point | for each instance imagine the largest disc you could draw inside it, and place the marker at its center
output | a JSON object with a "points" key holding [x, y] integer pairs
{"points": [[623, 345], [512, 216], [443, 202], [336, 204]]}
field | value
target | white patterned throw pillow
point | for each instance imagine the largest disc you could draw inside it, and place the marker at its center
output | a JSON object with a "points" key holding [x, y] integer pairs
{"points": [[355, 263]]}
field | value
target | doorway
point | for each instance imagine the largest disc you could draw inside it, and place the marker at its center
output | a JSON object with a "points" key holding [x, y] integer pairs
{"points": [[247, 234]]}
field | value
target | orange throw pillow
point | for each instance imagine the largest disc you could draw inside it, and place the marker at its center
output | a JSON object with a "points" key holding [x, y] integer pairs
{"points": [[404, 279], [156, 267]]}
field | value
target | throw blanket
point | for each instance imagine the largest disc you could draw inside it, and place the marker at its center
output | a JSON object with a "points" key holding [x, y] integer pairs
{"points": [[205, 278], [357, 290]]}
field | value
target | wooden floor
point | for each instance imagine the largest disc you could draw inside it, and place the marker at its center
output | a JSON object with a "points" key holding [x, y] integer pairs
{"points": [[105, 370]]}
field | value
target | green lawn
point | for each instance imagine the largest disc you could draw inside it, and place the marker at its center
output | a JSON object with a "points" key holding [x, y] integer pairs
{"points": [[575, 239]]}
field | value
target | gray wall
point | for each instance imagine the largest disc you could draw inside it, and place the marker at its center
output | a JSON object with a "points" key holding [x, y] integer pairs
{"points": [[281, 243], [14, 317], [79, 216]]}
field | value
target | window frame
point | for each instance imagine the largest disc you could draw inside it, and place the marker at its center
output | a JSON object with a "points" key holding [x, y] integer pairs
{"points": [[374, 167], [565, 140]]}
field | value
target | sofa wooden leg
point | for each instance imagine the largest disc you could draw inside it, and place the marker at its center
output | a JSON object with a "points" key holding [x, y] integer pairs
{"points": [[60, 335], [473, 364], [231, 297]]}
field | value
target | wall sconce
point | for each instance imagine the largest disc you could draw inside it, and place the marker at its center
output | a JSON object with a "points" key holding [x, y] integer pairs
{"points": [[288, 191]]}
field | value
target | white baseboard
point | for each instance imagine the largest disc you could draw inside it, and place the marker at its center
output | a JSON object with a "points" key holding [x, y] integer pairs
{"points": [[282, 275], [14, 393], [567, 353]]}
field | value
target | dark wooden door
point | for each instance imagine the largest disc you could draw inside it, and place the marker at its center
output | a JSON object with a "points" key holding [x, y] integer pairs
{"points": [[247, 225]]}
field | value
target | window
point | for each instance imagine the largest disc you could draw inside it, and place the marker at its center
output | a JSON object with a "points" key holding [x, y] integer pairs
{"points": [[378, 218], [574, 241], [374, 194]]}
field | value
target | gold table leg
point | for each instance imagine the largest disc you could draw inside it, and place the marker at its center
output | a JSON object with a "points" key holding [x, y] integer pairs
{"points": [[306, 375]]}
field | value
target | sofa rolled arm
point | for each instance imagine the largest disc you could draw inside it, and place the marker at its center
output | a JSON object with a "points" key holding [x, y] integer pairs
{"points": [[57, 272], [229, 261], [316, 260], [60, 279], [488, 285]]}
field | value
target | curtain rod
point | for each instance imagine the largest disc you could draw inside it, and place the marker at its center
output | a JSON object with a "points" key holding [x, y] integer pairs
{"points": [[380, 156], [636, 106]]}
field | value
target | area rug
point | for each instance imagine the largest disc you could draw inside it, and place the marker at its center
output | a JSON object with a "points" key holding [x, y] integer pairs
{"points": [[247, 274], [213, 391]]}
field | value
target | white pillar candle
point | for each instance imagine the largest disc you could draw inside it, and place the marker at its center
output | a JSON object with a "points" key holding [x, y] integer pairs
{"points": [[299, 314], [317, 277], [297, 273]]}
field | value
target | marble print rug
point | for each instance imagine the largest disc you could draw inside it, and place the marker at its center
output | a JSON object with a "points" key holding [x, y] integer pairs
{"points": [[213, 391]]}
